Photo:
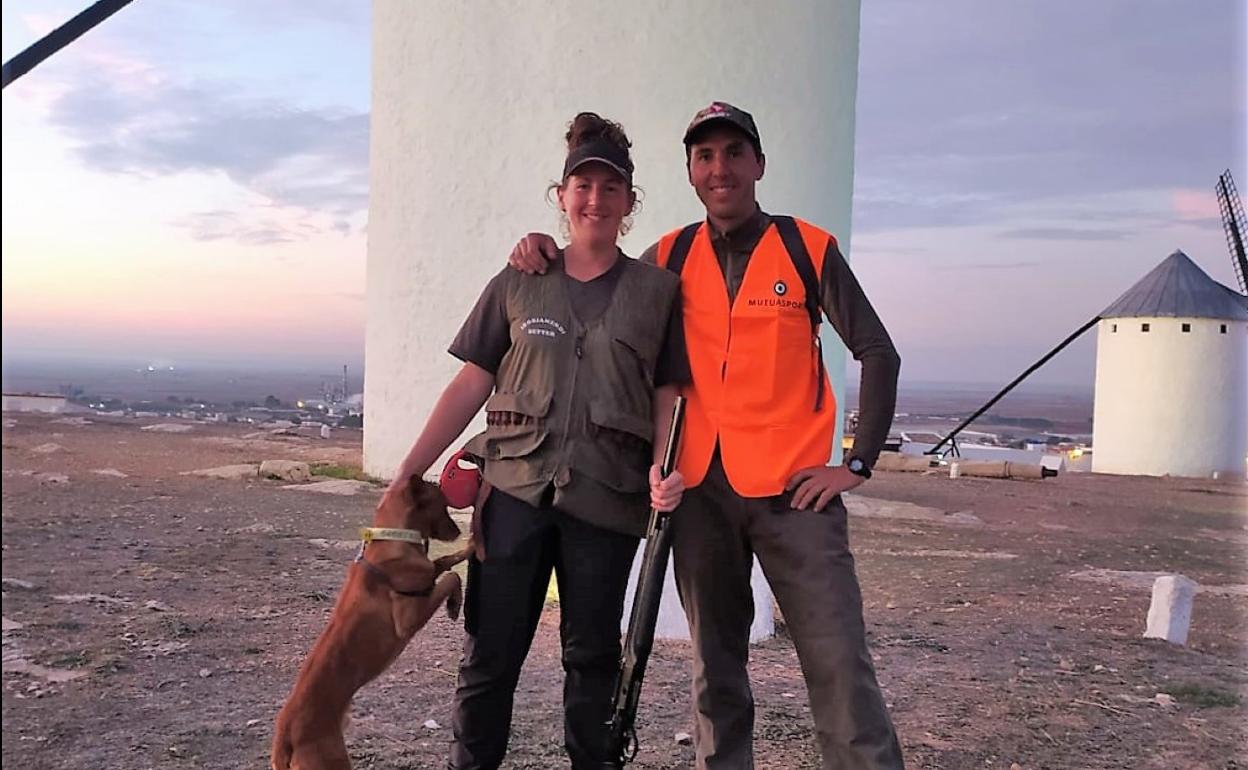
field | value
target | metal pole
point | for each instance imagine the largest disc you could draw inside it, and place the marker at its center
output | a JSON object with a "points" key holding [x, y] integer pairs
{"points": [[59, 38], [1008, 388]]}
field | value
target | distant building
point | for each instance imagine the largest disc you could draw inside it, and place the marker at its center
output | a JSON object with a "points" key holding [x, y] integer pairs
{"points": [[34, 402], [1172, 376]]}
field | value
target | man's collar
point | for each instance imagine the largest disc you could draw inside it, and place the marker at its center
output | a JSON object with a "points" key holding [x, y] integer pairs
{"points": [[746, 233]]}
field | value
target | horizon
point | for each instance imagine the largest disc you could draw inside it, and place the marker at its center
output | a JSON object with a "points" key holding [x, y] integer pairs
{"points": [[52, 367]]}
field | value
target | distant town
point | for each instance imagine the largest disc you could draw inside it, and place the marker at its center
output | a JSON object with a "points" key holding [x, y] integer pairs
{"points": [[199, 394]]}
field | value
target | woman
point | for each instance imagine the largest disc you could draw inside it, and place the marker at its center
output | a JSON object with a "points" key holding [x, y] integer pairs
{"points": [[580, 366]]}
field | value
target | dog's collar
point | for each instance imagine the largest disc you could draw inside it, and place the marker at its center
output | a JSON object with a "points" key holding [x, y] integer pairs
{"points": [[368, 534], [413, 536]]}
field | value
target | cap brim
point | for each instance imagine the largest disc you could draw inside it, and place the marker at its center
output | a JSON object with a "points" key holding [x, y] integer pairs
{"points": [[708, 122], [596, 159]]}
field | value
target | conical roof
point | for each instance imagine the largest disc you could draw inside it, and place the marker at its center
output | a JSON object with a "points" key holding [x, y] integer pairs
{"points": [[1178, 288]]}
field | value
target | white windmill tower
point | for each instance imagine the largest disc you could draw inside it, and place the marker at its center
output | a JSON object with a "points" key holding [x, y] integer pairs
{"points": [[1172, 376]]}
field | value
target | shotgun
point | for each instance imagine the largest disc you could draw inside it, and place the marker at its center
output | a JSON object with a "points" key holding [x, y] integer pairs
{"points": [[622, 742]]}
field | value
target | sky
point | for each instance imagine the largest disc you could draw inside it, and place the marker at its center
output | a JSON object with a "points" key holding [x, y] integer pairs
{"points": [[189, 181]]}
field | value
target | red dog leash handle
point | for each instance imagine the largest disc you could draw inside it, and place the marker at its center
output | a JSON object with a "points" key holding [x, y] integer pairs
{"points": [[460, 483]]}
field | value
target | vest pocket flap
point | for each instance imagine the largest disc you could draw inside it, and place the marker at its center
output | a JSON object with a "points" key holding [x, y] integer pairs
{"points": [[524, 402], [605, 415], [514, 445]]}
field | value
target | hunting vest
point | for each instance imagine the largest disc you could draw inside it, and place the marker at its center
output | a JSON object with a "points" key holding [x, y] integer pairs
{"points": [[572, 404], [759, 390]]}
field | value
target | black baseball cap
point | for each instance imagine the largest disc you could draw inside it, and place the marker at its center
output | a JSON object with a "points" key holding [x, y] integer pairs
{"points": [[600, 151], [726, 113]]}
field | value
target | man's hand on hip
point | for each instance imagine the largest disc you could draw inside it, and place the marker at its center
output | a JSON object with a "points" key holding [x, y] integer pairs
{"points": [[533, 253], [818, 485]]}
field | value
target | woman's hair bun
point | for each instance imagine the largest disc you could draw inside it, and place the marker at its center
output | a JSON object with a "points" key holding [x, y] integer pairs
{"points": [[589, 126]]}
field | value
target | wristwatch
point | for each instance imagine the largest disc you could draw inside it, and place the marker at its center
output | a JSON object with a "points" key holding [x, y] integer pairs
{"points": [[857, 467]]}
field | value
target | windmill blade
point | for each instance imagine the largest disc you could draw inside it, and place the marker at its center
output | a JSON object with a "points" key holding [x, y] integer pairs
{"points": [[1234, 225]]}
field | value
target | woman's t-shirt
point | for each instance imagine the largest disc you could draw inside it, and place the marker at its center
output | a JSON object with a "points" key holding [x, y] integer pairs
{"points": [[485, 336]]}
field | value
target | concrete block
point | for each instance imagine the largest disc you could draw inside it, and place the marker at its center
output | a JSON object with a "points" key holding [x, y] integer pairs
{"points": [[1170, 613]]}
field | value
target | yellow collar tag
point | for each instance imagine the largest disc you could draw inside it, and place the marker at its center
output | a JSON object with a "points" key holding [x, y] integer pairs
{"points": [[368, 534]]}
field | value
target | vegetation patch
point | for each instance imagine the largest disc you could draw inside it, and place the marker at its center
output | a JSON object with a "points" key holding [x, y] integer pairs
{"points": [[1203, 697], [349, 472]]}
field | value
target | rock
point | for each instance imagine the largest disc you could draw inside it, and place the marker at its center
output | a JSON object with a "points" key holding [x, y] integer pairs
{"points": [[1164, 699], [25, 585], [325, 431], [345, 545], [285, 470], [156, 606], [432, 724], [168, 427], [52, 478], [12, 625], [92, 599], [683, 739], [334, 487], [204, 673], [113, 472], [79, 421], [47, 449], [253, 722], [234, 472], [893, 509], [257, 528]]}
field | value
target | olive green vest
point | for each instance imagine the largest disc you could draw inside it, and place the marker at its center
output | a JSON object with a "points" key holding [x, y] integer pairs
{"points": [[572, 403]]}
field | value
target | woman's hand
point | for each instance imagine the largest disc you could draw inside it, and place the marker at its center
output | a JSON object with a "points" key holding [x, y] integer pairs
{"points": [[665, 493]]}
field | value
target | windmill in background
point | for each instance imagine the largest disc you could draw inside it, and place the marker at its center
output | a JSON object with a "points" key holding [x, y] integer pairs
{"points": [[1234, 225]]}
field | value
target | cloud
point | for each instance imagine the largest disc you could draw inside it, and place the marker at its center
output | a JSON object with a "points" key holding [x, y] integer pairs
{"points": [[315, 160], [218, 225], [959, 267], [958, 127], [1062, 234]]}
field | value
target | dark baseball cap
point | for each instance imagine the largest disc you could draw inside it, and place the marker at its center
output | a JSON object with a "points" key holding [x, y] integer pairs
{"points": [[600, 151], [727, 113]]}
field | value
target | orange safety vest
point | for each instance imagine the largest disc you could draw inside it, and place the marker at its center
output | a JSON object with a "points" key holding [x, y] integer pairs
{"points": [[759, 386]]}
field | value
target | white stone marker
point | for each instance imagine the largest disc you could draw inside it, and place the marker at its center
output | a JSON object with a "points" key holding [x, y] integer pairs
{"points": [[671, 622], [1170, 613]]}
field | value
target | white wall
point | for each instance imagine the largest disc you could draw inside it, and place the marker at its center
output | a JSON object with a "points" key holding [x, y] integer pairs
{"points": [[470, 102], [1169, 402]]}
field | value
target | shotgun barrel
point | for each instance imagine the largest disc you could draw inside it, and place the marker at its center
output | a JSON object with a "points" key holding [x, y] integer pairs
{"points": [[621, 729]]}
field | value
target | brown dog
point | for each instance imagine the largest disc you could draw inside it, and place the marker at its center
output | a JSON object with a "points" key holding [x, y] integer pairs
{"points": [[392, 590]]}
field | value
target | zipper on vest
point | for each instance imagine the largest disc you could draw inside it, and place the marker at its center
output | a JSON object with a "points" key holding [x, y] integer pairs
{"points": [[567, 423]]}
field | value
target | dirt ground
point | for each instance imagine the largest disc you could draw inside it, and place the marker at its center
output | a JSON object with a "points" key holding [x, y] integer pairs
{"points": [[154, 620]]}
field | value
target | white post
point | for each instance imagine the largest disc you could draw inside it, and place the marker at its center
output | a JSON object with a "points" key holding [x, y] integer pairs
{"points": [[671, 622], [1170, 613]]}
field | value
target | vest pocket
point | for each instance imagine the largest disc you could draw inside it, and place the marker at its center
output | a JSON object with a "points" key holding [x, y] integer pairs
{"points": [[515, 423], [638, 355], [619, 451]]}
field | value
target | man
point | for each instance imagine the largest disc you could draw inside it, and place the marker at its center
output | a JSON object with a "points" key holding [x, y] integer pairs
{"points": [[759, 429]]}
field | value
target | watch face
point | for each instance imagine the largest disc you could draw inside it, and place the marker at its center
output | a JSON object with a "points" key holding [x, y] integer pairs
{"points": [[855, 465]]}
